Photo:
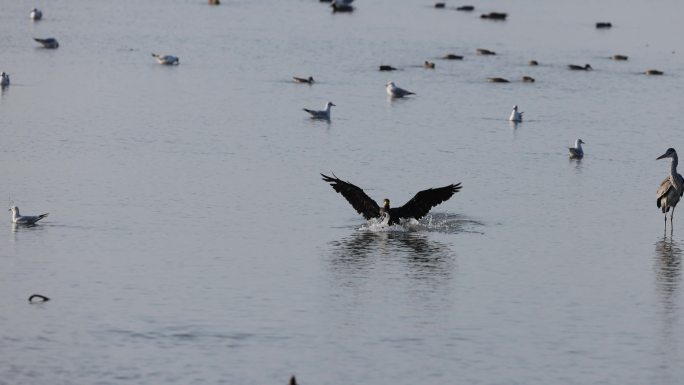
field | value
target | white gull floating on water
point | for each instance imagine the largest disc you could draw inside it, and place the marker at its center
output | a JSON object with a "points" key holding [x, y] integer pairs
{"points": [[515, 115], [166, 59], [36, 14], [24, 219], [396, 92], [577, 152], [320, 114]]}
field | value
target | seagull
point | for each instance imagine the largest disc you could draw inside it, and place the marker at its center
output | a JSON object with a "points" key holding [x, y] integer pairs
{"points": [[49, 42], [322, 114], [36, 14], [24, 220], [166, 59], [310, 80], [416, 208], [577, 152], [515, 115], [653, 72], [4, 79], [575, 67], [396, 92]]}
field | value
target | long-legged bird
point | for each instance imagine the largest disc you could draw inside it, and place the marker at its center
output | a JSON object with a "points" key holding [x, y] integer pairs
{"points": [[671, 188]]}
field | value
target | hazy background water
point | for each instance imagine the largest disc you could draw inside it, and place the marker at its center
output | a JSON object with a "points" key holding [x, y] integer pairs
{"points": [[191, 240]]}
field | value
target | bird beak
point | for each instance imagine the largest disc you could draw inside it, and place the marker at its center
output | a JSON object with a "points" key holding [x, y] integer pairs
{"points": [[661, 157]]}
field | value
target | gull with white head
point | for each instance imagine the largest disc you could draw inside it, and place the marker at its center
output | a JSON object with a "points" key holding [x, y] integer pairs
{"points": [[166, 59], [397, 92], [320, 114], [515, 115], [36, 14], [577, 152], [19, 219]]}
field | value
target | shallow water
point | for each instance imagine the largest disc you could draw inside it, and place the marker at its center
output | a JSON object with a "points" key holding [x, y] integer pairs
{"points": [[191, 240]]}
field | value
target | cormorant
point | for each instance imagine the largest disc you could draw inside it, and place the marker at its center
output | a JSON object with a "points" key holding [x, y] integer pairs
{"points": [[416, 208]]}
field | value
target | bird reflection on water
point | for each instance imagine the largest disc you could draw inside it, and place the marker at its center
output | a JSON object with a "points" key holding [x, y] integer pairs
{"points": [[668, 267]]}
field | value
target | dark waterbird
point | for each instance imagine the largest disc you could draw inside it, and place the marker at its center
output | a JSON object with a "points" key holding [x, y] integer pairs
{"points": [[576, 67], [384, 67], [671, 188], [416, 208], [494, 16], [466, 8], [38, 297], [604, 24], [50, 42]]}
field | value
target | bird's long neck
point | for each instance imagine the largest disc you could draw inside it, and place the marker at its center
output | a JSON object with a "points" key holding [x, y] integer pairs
{"points": [[15, 214], [673, 166], [578, 145]]}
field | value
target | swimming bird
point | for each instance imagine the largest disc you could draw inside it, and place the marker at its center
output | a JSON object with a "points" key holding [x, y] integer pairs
{"points": [[310, 80], [24, 220], [322, 114], [49, 42], [36, 14], [671, 188], [416, 208], [653, 72], [385, 67], [40, 297], [451, 56], [577, 152], [575, 67], [4, 79], [342, 5], [619, 57], [482, 51], [429, 64], [166, 59], [439, 5], [497, 80], [515, 115], [396, 92], [604, 24], [527, 79], [494, 16], [533, 63], [466, 8]]}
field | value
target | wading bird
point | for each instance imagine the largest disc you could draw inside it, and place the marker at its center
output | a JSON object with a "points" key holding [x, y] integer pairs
{"points": [[671, 188], [416, 208]]}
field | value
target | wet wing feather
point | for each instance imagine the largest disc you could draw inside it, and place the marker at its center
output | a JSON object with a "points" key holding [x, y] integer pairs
{"points": [[361, 202], [425, 200]]}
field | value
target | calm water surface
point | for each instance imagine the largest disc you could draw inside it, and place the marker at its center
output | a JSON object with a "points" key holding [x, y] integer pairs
{"points": [[190, 238]]}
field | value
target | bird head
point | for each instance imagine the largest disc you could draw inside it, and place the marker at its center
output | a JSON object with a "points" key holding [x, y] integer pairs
{"points": [[668, 154], [386, 204], [515, 108], [390, 84], [329, 104], [13, 209], [311, 79], [587, 66]]}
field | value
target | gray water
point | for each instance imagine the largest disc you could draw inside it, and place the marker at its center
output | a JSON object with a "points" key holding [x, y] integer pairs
{"points": [[190, 239]]}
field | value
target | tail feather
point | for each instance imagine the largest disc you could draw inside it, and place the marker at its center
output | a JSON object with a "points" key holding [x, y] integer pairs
{"points": [[41, 216]]}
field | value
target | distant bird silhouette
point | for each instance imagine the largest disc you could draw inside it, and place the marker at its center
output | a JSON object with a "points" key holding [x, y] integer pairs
{"points": [[40, 297], [310, 80], [293, 380], [494, 16], [387, 68], [396, 92], [653, 72], [576, 67], [619, 57], [36, 14], [19, 219], [166, 59], [671, 188], [342, 5], [4, 79], [533, 63], [429, 64], [527, 79], [482, 51], [604, 24], [577, 152], [515, 115], [49, 42], [497, 80], [466, 8], [416, 208], [451, 56], [320, 114], [439, 5]]}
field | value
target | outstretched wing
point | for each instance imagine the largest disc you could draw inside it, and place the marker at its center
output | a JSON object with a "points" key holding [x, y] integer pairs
{"points": [[421, 204], [361, 202]]}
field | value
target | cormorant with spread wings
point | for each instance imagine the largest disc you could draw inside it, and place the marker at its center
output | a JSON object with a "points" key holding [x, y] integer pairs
{"points": [[416, 208]]}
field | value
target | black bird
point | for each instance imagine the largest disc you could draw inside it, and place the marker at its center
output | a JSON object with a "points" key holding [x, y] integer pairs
{"points": [[39, 297], [416, 208]]}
